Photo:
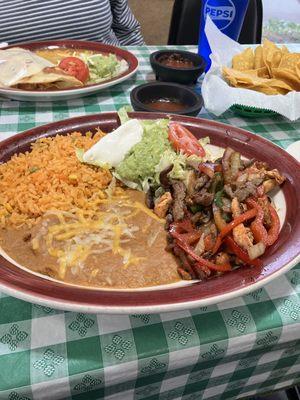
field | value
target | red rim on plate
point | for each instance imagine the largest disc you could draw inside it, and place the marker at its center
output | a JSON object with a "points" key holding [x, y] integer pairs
{"points": [[121, 54], [278, 259]]}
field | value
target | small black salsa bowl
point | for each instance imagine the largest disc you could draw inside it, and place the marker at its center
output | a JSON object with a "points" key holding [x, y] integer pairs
{"points": [[186, 75], [142, 96]]}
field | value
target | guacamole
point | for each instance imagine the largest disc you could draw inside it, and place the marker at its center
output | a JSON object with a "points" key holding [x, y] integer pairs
{"points": [[141, 161]]}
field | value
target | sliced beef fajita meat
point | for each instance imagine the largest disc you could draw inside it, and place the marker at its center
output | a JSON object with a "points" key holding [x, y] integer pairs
{"points": [[201, 181], [203, 198], [242, 191], [179, 193], [164, 178], [150, 198]]}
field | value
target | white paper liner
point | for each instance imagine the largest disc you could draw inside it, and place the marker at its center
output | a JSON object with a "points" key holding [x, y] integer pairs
{"points": [[219, 96]]}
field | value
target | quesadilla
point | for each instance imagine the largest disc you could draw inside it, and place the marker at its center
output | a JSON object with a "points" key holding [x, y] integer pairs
{"points": [[24, 69], [48, 78]]}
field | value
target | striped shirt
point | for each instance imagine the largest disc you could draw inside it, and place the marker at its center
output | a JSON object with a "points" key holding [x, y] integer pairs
{"points": [[107, 21]]}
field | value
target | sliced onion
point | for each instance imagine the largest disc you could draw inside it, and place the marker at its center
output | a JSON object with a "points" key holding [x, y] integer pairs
{"points": [[242, 178], [219, 221], [256, 250], [235, 164], [200, 246], [226, 163]]}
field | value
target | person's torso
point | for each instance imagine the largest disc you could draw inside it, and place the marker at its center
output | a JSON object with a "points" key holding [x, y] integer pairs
{"points": [[35, 20]]}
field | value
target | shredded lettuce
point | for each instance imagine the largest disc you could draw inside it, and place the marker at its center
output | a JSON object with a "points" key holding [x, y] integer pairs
{"points": [[123, 114], [131, 185], [204, 141], [102, 67], [169, 157]]}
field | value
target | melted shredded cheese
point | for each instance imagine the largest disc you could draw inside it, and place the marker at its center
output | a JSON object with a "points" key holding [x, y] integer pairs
{"points": [[77, 235]]}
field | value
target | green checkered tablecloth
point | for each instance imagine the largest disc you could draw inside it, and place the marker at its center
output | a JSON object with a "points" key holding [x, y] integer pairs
{"points": [[227, 351]]}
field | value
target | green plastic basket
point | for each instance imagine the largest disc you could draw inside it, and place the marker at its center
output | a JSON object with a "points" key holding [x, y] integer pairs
{"points": [[252, 112]]}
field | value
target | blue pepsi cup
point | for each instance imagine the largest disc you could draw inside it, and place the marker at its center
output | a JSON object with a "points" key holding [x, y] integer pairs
{"points": [[227, 15]]}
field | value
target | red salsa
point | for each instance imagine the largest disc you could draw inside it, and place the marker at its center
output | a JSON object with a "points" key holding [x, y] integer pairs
{"points": [[175, 60], [166, 104]]}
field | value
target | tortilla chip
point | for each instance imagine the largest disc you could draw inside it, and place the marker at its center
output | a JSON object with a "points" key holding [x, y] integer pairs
{"points": [[266, 90], [270, 89], [252, 81], [276, 59], [268, 45], [268, 57], [243, 61], [287, 76], [271, 55], [284, 49], [269, 69], [244, 76], [235, 76], [298, 71], [260, 72], [258, 58], [279, 84], [289, 61]]}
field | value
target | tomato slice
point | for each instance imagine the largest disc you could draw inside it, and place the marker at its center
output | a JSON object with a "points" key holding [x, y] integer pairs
{"points": [[183, 140], [75, 67]]}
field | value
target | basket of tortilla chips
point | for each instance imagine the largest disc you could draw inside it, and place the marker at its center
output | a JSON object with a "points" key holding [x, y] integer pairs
{"points": [[253, 81]]}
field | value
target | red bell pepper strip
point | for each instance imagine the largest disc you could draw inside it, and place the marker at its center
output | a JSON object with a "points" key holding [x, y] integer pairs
{"points": [[218, 168], [208, 242], [260, 233], [183, 226], [241, 254], [218, 268], [260, 191], [185, 231], [190, 237], [184, 245], [273, 232], [228, 228], [202, 262]]}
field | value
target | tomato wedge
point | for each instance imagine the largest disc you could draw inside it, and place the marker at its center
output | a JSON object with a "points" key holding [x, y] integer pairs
{"points": [[75, 67], [183, 140]]}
